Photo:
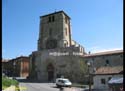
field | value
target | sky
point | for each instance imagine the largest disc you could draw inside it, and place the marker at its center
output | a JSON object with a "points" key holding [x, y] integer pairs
{"points": [[96, 24]]}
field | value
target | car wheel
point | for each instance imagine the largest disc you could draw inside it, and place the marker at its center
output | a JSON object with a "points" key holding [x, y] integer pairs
{"points": [[58, 86], [70, 86]]}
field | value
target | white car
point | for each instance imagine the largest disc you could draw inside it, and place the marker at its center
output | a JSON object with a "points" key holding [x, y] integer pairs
{"points": [[62, 82]]}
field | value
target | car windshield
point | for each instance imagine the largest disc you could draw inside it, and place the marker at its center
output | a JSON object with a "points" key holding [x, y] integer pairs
{"points": [[66, 81]]}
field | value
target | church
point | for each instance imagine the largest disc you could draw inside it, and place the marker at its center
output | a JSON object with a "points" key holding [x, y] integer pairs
{"points": [[59, 55]]}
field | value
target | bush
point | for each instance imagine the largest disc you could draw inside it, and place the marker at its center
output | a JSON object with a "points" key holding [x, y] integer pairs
{"points": [[8, 82]]}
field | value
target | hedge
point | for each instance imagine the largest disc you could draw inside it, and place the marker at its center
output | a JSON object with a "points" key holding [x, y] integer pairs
{"points": [[6, 82]]}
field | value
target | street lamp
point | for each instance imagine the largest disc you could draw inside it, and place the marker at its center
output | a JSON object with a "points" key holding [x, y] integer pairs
{"points": [[88, 63], [14, 64]]}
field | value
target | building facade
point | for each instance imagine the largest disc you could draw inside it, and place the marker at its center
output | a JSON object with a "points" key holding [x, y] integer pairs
{"points": [[17, 67]]}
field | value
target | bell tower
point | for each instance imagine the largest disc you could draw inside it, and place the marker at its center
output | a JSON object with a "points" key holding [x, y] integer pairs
{"points": [[54, 31]]}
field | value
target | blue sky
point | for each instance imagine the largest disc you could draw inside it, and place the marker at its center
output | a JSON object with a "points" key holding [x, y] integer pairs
{"points": [[96, 24]]}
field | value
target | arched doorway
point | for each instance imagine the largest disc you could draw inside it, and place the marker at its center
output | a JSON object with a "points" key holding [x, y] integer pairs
{"points": [[50, 70]]}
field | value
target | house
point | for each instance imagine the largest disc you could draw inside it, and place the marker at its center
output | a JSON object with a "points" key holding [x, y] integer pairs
{"points": [[103, 74], [17, 67]]}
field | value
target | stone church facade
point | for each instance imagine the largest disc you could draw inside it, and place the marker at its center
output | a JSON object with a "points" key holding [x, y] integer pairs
{"points": [[58, 55]]}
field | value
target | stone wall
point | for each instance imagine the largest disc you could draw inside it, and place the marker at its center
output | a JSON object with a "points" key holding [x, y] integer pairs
{"points": [[115, 59], [66, 64]]}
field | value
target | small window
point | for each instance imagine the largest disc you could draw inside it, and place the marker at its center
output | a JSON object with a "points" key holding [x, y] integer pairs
{"points": [[66, 20], [109, 78], [102, 81], [107, 61], [53, 18], [49, 19]]}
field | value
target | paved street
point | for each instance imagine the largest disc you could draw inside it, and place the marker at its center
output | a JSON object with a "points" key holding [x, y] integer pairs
{"points": [[44, 87]]}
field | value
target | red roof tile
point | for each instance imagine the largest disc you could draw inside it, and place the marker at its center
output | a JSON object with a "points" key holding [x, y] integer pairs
{"points": [[109, 70]]}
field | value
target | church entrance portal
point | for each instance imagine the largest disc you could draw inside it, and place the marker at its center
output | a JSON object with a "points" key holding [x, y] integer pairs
{"points": [[50, 69]]}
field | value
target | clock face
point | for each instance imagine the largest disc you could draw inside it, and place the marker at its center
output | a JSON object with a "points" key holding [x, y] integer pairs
{"points": [[51, 44]]}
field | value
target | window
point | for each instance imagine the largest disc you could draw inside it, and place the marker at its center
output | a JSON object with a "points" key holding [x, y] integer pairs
{"points": [[102, 81], [53, 18], [66, 20], [49, 19], [109, 78], [107, 61]]}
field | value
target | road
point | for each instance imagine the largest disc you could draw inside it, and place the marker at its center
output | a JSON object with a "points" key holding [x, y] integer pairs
{"points": [[44, 87]]}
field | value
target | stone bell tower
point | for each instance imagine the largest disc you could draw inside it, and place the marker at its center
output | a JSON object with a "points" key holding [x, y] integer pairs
{"points": [[54, 31]]}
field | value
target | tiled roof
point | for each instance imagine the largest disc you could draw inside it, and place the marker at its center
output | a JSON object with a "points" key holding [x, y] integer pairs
{"points": [[109, 70], [20, 57], [5, 60], [104, 53]]}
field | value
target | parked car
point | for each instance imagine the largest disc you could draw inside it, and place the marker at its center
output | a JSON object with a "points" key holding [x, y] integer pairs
{"points": [[63, 82]]}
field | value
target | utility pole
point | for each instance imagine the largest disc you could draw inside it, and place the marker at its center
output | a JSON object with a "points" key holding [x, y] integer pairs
{"points": [[89, 75]]}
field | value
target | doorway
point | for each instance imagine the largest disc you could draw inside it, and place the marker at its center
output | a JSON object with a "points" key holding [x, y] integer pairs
{"points": [[50, 70]]}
